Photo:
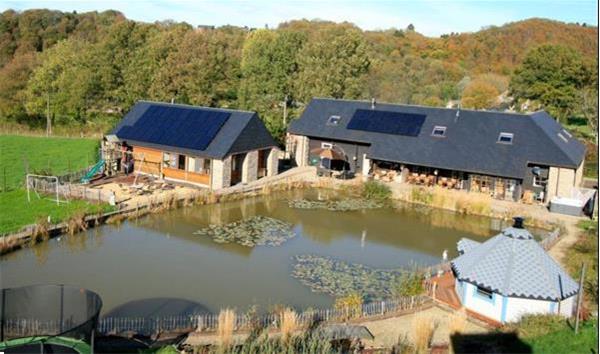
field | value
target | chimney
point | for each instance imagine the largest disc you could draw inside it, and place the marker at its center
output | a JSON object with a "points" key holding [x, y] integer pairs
{"points": [[457, 114], [373, 103], [518, 224]]}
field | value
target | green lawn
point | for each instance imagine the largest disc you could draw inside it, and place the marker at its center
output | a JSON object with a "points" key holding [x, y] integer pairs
{"points": [[16, 212], [46, 155], [565, 341]]}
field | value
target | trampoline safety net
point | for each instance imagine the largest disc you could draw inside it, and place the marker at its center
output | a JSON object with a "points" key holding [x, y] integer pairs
{"points": [[48, 310]]}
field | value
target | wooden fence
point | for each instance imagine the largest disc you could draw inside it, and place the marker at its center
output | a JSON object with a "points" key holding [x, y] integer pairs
{"points": [[14, 328], [550, 240], [209, 322]]}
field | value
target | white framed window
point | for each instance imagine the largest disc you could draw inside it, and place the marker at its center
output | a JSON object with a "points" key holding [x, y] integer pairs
{"points": [[326, 146], [539, 181], [505, 138], [484, 293], [333, 120], [439, 131]]}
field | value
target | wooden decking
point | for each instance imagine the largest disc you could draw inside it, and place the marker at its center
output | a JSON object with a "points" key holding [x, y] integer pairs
{"points": [[444, 292]]}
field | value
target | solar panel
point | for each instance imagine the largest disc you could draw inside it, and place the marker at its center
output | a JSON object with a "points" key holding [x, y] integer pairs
{"points": [[176, 126], [387, 122]]}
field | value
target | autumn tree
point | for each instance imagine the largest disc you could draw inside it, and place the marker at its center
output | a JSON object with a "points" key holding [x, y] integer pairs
{"points": [[333, 63], [552, 76], [479, 94], [269, 70]]}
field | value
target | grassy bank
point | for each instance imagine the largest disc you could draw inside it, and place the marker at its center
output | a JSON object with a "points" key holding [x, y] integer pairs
{"points": [[19, 154], [585, 250], [16, 212]]}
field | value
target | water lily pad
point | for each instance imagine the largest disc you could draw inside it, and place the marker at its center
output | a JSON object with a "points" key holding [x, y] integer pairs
{"points": [[335, 205], [338, 278], [255, 231]]}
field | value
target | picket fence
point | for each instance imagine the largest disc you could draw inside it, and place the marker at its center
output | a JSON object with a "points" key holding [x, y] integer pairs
{"points": [[15, 328]]}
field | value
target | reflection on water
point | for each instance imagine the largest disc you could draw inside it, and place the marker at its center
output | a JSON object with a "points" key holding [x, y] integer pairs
{"points": [[158, 256]]}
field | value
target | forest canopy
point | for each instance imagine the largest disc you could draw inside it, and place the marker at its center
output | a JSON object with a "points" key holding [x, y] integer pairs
{"points": [[88, 69]]}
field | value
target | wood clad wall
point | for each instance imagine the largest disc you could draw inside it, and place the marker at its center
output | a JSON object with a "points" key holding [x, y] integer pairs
{"points": [[186, 175], [152, 160], [152, 165]]}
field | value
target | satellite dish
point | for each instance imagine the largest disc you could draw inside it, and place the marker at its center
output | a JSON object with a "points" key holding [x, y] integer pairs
{"points": [[536, 170]]}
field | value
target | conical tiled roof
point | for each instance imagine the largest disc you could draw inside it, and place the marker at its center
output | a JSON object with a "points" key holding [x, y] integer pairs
{"points": [[512, 263]]}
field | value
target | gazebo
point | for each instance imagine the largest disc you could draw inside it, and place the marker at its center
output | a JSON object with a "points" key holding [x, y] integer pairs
{"points": [[511, 275]]}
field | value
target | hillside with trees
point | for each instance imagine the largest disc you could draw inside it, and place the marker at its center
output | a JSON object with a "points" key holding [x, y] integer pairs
{"points": [[85, 70]]}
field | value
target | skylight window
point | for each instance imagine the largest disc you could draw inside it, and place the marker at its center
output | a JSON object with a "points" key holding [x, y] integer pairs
{"points": [[505, 138], [565, 132], [439, 131], [333, 120], [563, 137]]}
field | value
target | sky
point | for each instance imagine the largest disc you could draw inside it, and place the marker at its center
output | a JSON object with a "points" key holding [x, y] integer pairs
{"points": [[432, 18]]}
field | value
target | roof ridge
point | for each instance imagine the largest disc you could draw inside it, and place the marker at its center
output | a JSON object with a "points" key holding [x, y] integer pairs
{"points": [[425, 106], [168, 104], [544, 269], [547, 136], [508, 276]]}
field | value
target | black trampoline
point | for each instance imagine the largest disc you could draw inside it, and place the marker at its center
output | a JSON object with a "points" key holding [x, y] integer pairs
{"points": [[48, 319]]}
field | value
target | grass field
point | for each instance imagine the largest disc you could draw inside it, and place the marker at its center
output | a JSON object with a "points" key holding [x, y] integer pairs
{"points": [[45, 156], [16, 212], [40, 154]]}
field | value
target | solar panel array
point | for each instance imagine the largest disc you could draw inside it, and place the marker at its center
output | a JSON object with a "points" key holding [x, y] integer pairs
{"points": [[176, 126], [387, 122]]}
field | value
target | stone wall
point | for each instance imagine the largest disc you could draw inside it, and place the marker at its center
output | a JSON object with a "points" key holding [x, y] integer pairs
{"points": [[221, 173], [250, 167], [299, 146], [273, 162], [561, 182]]}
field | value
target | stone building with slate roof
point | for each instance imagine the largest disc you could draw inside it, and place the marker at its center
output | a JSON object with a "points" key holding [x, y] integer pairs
{"points": [[210, 147], [511, 275], [507, 155]]}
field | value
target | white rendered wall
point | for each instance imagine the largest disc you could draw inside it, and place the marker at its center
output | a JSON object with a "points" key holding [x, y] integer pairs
{"points": [[567, 306], [517, 307]]}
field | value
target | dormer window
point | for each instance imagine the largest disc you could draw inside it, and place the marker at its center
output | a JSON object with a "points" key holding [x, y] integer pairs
{"points": [[505, 138], [333, 120], [439, 131]]}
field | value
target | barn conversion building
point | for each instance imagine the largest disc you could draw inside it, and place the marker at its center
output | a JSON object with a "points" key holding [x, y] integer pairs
{"points": [[209, 147], [510, 275], [507, 155]]}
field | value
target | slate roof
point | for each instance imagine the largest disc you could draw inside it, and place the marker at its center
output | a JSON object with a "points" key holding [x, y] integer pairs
{"points": [[513, 264], [243, 131], [470, 143], [464, 245]]}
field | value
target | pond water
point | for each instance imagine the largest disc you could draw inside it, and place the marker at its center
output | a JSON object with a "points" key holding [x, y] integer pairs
{"points": [[159, 256]]}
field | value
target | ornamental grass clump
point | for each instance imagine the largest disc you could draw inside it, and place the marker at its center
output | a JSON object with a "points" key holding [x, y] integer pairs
{"points": [[289, 323], [225, 327], [377, 191], [423, 328]]}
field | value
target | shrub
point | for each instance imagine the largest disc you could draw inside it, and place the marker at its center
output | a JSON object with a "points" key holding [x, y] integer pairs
{"points": [[350, 305], [409, 284], [531, 326], [374, 190]]}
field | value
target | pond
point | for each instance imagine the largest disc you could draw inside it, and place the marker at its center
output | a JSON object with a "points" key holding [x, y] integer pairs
{"points": [[160, 256]]}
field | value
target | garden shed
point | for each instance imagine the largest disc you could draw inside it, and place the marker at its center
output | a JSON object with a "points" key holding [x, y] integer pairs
{"points": [[511, 275]]}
